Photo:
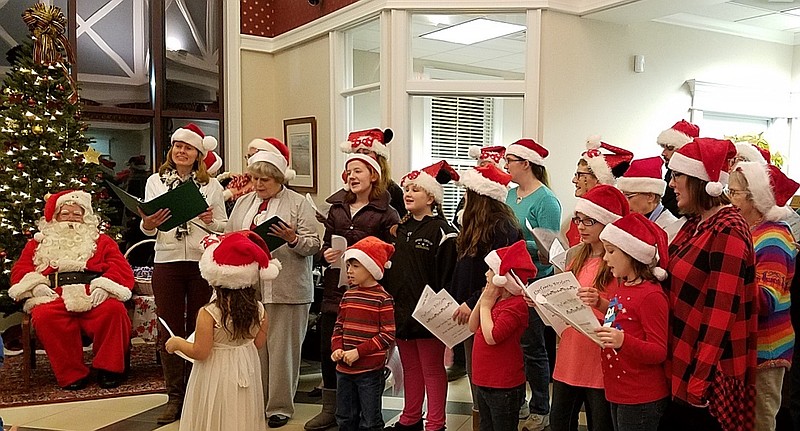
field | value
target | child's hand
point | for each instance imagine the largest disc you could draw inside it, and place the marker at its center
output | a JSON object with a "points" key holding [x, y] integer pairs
{"points": [[491, 293], [528, 301], [172, 344], [337, 355], [589, 296], [350, 356], [611, 337], [461, 315], [332, 255]]}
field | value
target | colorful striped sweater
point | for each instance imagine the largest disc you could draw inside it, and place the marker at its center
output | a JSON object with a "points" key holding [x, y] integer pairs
{"points": [[365, 322], [775, 263]]}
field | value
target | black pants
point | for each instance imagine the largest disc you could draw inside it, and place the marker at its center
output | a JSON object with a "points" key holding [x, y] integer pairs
{"points": [[326, 322], [681, 416]]}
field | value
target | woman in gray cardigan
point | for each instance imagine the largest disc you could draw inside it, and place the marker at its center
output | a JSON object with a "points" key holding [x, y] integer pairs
{"points": [[287, 299]]}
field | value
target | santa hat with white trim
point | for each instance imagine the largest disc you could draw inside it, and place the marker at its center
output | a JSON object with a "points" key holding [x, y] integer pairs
{"points": [[370, 139], [373, 254], [57, 200], [770, 189], [705, 159], [644, 176], [237, 260], [752, 153], [604, 203], [609, 166], [274, 152], [512, 267], [213, 162], [364, 158], [493, 154], [192, 135], [432, 178], [640, 239], [680, 134], [487, 180], [529, 150]]}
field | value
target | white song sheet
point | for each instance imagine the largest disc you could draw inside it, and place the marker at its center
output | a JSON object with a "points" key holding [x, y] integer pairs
{"points": [[434, 311]]}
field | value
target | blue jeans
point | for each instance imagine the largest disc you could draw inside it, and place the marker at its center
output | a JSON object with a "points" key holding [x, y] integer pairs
{"points": [[358, 401], [499, 407], [537, 367], [567, 400], [638, 417]]}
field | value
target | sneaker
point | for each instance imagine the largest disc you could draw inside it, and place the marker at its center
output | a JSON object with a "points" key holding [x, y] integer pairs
{"points": [[524, 411], [536, 422], [277, 421]]}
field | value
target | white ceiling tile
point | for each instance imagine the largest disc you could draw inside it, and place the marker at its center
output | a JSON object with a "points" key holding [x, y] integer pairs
{"points": [[728, 11], [775, 6], [776, 21]]}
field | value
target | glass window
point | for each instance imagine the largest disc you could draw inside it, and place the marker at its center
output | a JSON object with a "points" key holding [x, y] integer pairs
{"points": [[363, 45], [209, 128], [478, 46], [364, 110], [126, 151]]}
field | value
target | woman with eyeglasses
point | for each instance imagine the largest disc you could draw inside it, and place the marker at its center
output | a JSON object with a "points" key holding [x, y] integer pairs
{"points": [[711, 289], [534, 205], [760, 193], [287, 299], [578, 376]]}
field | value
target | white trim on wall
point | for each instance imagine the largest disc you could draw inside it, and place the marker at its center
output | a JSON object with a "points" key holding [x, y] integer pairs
{"points": [[233, 87]]}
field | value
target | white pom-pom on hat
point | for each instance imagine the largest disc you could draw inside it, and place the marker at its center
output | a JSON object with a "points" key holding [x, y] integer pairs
{"points": [[714, 188]]}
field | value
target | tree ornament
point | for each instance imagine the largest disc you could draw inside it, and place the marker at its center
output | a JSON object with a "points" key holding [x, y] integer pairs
{"points": [[37, 129], [31, 102], [91, 155], [48, 26], [20, 166], [84, 179]]}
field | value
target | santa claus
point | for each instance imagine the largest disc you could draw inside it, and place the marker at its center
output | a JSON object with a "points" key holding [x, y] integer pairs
{"points": [[74, 281]]}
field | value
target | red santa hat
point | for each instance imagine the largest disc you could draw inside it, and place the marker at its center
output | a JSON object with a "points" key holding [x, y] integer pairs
{"points": [[512, 267], [372, 253], [706, 159], [644, 176], [770, 189], [57, 200], [371, 139], [274, 152], [642, 240], [607, 167], [529, 150], [493, 154], [192, 135], [752, 153], [432, 178], [488, 180], [604, 203], [680, 134], [364, 158], [237, 260], [213, 162]]}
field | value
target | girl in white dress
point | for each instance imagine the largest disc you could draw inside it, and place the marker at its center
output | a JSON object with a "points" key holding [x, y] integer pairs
{"points": [[224, 390]]}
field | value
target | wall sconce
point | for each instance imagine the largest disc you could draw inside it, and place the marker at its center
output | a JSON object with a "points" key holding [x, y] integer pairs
{"points": [[638, 63]]}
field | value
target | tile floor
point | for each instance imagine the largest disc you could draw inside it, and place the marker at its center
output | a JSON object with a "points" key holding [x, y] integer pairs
{"points": [[139, 413]]}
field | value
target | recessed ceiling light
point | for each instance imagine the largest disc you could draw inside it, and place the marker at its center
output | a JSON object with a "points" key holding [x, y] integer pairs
{"points": [[474, 31]]}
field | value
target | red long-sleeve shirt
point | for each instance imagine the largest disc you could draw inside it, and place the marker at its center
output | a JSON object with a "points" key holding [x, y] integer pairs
{"points": [[366, 323]]}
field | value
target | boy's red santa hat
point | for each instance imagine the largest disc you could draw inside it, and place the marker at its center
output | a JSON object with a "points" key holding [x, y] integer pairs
{"points": [[770, 189], [192, 135], [432, 178], [528, 149], [512, 267], [752, 153], [237, 260], [213, 162], [608, 166], [644, 176], [705, 159], [604, 203], [370, 139], [680, 134], [487, 180], [372, 253], [57, 200], [642, 240], [372, 163], [493, 154], [274, 152]]}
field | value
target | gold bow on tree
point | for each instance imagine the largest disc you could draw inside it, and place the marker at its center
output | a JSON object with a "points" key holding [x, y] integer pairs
{"points": [[48, 26]]}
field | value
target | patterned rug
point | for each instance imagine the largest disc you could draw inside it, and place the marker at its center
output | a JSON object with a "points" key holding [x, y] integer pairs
{"points": [[145, 377]]}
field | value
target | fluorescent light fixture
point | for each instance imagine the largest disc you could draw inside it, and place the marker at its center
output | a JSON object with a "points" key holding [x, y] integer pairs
{"points": [[474, 31]]}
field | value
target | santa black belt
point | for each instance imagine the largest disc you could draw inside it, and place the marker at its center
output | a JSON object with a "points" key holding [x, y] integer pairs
{"points": [[64, 278]]}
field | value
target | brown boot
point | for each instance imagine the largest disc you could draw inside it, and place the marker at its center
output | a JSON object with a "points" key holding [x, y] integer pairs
{"points": [[476, 420], [327, 417], [176, 388]]}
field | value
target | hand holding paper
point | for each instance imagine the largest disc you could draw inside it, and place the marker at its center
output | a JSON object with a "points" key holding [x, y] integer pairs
{"points": [[434, 311], [190, 339]]}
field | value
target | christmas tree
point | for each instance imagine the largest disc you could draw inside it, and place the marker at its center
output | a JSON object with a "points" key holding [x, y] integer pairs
{"points": [[44, 149]]}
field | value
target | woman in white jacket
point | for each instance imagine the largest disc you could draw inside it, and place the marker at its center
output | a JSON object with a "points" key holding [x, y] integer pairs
{"points": [[179, 289]]}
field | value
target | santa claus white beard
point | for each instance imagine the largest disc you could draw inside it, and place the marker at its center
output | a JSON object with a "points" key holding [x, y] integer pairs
{"points": [[65, 245]]}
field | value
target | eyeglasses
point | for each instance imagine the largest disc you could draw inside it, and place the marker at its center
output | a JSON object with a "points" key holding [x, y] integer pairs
{"points": [[631, 195], [734, 192], [667, 147], [586, 221], [579, 173], [509, 160]]}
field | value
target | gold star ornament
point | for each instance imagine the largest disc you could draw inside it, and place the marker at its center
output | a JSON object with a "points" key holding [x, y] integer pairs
{"points": [[91, 155]]}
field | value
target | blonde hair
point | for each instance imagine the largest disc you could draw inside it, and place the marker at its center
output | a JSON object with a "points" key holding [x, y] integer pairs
{"points": [[198, 167], [604, 274]]}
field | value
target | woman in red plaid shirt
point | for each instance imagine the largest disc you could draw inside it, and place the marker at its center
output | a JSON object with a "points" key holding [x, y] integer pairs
{"points": [[711, 290]]}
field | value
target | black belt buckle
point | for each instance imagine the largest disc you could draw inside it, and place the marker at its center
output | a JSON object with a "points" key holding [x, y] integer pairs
{"points": [[73, 277]]}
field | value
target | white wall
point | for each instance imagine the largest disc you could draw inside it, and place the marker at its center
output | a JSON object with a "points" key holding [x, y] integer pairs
{"points": [[588, 85]]}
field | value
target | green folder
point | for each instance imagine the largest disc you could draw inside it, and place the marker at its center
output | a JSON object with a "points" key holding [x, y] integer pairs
{"points": [[262, 230], [184, 203]]}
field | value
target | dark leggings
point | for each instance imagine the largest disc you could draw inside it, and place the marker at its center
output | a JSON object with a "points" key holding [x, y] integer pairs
{"points": [[326, 322], [179, 291]]}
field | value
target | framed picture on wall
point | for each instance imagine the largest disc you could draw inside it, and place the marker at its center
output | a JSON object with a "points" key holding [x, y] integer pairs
{"points": [[300, 135]]}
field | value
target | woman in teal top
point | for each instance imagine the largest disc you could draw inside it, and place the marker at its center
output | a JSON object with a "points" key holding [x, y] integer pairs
{"points": [[533, 202]]}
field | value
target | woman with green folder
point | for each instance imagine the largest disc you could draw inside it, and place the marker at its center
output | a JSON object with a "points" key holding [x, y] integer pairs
{"points": [[179, 289]]}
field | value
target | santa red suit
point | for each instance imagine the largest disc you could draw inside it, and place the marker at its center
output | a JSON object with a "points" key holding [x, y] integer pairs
{"points": [[60, 287]]}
